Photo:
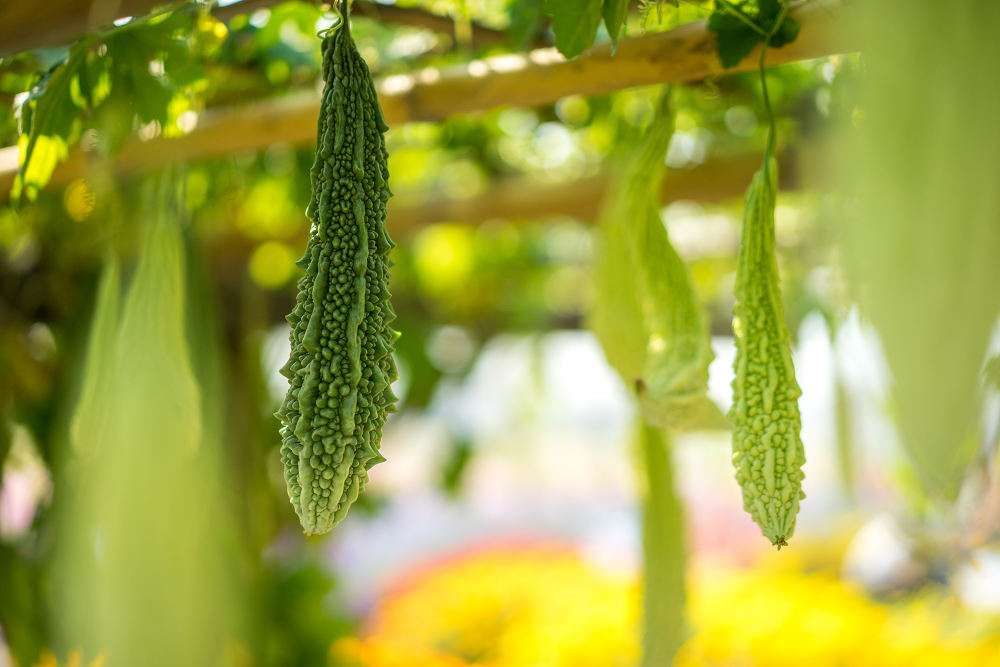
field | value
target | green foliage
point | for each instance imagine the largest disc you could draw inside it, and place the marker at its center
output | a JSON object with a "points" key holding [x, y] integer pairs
{"points": [[664, 559], [341, 366], [131, 72], [645, 312], [767, 450], [525, 17], [22, 614], [740, 25], [922, 251], [455, 465], [574, 23], [615, 15]]}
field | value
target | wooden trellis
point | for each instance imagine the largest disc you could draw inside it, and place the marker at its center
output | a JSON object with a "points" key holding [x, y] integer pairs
{"points": [[683, 55]]}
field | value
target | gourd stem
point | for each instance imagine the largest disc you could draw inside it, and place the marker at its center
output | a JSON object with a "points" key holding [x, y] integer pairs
{"points": [[772, 130]]}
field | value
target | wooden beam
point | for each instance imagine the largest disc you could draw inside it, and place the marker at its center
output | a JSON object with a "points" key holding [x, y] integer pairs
{"points": [[32, 25], [683, 55], [718, 179]]}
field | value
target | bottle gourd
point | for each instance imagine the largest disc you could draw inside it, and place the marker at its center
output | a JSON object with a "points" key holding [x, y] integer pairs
{"points": [[341, 366]]}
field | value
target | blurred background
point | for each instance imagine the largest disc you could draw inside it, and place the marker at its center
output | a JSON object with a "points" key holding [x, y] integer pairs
{"points": [[505, 527]]}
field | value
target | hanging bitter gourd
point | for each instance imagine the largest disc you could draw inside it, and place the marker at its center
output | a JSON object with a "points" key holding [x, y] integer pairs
{"points": [[646, 314], [767, 449], [341, 366]]}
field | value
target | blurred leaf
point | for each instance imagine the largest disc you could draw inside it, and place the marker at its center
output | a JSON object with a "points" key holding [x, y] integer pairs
{"points": [[304, 623], [143, 65], [645, 312], [22, 617], [459, 454], [664, 559], [49, 125], [574, 23], [736, 39], [525, 20], [615, 13]]}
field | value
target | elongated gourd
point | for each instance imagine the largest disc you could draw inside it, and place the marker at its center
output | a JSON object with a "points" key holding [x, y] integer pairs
{"points": [[89, 421], [341, 366], [767, 448], [646, 314], [921, 250], [664, 556]]}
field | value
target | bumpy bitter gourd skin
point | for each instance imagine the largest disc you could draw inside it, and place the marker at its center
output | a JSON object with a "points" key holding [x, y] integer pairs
{"points": [[341, 366], [767, 449]]}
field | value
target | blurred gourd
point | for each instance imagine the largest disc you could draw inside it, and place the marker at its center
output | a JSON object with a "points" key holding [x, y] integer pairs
{"points": [[90, 418], [922, 253], [664, 591], [645, 314]]}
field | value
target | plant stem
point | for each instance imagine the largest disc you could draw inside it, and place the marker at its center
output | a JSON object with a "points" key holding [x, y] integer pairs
{"points": [[772, 132]]}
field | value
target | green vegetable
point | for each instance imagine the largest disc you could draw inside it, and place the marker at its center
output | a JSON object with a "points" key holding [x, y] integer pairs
{"points": [[646, 315], [151, 490], [767, 450], [663, 552], [922, 252], [341, 366]]}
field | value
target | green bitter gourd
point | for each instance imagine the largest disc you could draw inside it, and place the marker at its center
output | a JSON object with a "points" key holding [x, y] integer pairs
{"points": [[664, 555], [89, 421], [646, 314], [341, 365], [767, 449]]}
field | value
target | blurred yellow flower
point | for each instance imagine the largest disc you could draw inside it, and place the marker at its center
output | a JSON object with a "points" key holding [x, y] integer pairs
{"points": [[548, 607], [74, 659], [507, 606]]}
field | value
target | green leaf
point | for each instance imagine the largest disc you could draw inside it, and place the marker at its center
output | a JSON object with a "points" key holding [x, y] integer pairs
{"points": [[50, 125], [615, 12], [574, 23], [525, 18], [143, 65], [736, 39]]}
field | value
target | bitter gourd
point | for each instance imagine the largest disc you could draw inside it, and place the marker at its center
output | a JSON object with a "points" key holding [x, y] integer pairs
{"points": [[89, 421], [664, 556], [646, 314], [341, 365], [767, 449], [921, 250]]}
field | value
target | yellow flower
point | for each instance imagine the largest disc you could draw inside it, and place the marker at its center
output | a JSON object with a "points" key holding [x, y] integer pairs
{"points": [[547, 607]]}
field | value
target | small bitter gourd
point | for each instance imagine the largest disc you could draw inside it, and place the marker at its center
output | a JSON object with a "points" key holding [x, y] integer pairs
{"points": [[767, 448], [341, 367]]}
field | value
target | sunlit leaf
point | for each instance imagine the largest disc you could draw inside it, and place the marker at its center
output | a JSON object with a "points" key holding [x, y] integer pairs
{"points": [[574, 23]]}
